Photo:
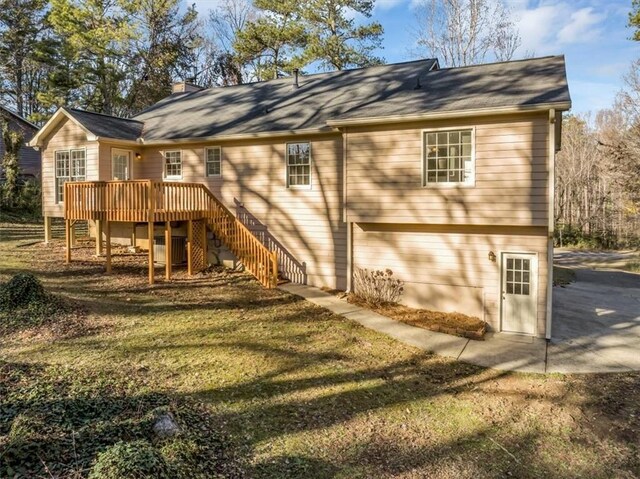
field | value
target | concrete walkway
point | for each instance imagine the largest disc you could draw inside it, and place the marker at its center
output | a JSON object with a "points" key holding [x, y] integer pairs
{"points": [[498, 351]]}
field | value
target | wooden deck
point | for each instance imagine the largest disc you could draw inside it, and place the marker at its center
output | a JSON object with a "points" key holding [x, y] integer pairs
{"points": [[161, 202]]}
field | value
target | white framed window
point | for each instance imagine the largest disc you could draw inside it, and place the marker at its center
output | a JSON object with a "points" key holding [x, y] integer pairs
{"points": [[71, 165], [213, 161], [173, 164], [298, 160], [449, 157]]}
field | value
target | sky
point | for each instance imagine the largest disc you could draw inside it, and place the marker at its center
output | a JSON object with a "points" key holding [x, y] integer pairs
{"points": [[592, 34]]}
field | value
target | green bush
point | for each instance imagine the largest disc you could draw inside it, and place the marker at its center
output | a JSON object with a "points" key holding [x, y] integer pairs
{"points": [[21, 291], [130, 460], [25, 303]]}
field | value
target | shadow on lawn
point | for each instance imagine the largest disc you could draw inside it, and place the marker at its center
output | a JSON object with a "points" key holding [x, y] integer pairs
{"points": [[356, 409]]}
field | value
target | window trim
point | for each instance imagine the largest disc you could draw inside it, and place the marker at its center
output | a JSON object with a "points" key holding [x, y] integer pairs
{"points": [[164, 165], [206, 161], [130, 152], [423, 158], [286, 166], [55, 170]]}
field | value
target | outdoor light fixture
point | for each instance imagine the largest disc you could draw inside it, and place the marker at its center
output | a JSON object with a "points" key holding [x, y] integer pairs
{"points": [[138, 156], [492, 256]]}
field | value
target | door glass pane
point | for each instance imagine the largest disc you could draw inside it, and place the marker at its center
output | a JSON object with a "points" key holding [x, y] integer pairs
{"points": [[518, 276], [120, 166]]}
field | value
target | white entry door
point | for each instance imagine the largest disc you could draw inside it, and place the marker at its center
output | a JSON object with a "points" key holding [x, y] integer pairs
{"points": [[120, 164], [519, 304]]}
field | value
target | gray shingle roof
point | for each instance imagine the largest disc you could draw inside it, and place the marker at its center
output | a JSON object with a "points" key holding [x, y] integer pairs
{"points": [[386, 90], [273, 105], [495, 85], [106, 126]]}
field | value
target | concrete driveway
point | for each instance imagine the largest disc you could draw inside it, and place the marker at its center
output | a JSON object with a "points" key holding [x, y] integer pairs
{"points": [[596, 319]]}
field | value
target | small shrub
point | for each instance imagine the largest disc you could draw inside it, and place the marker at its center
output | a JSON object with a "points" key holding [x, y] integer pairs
{"points": [[130, 460], [20, 291], [25, 303], [377, 287]]}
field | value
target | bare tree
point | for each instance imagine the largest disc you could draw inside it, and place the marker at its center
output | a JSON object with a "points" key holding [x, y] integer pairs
{"points": [[219, 63], [597, 198], [465, 32]]}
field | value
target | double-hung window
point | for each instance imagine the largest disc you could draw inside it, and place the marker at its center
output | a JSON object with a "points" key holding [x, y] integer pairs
{"points": [[449, 157], [173, 164], [71, 165], [213, 161], [298, 165]]}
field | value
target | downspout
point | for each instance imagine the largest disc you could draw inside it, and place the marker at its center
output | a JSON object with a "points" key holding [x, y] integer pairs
{"points": [[344, 212], [551, 220]]}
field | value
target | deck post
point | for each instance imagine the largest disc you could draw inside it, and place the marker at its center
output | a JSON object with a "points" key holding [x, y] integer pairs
{"points": [[67, 239], [167, 250], [107, 231], [99, 237], [133, 236], [47, 229], [151, 229], [190, 247]]}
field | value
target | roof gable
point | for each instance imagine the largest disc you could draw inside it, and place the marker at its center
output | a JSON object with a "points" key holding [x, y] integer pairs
{"points": [[96, 126]]}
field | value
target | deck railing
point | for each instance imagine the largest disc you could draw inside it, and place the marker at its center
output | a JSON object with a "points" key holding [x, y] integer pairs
{"points": [[155, 201]]}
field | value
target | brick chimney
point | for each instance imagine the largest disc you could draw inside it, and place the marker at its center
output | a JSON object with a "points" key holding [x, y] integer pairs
{"points": [[184, 87]]}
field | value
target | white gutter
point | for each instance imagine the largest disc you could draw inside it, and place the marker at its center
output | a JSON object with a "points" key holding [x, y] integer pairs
{"points": [[551, 223], [561, 106]]}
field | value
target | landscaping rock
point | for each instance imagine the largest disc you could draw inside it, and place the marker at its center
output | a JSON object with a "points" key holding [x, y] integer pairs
{"points": [[166, 426]]}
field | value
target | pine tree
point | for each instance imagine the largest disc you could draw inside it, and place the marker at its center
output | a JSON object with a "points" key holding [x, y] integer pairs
{"points": [[24, 56], [95, 35], [13, 141], [162, 49], [334, 38], [634, 19], [274, 40]]}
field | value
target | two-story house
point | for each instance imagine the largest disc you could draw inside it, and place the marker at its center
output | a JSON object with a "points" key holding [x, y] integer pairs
{"points": [[443, 175]]}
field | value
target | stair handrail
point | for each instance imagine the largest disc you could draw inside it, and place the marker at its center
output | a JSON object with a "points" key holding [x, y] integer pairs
{"points": [[268, 278]]}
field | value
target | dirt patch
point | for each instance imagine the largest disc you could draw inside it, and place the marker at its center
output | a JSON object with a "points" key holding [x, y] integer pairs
{"points": [[457, 324]]}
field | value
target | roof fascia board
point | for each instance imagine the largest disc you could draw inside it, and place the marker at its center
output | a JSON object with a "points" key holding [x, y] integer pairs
{"points": [[104, 139], [241, 136], [53, 121], [560, 106]]}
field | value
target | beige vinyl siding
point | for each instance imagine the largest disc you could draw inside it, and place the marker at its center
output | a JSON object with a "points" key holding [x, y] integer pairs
{"points": [[67, 135], [306, 224], [385, 174], [447, 267]]}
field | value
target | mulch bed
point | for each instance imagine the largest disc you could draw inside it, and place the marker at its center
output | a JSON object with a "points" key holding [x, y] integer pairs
{"points": [[457, 324]]}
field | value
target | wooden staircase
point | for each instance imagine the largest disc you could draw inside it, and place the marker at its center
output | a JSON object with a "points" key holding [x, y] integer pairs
{"points": [[155, 201]]}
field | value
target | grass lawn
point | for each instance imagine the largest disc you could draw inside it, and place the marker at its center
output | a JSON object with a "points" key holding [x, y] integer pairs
{"points": [[280, 387]]}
